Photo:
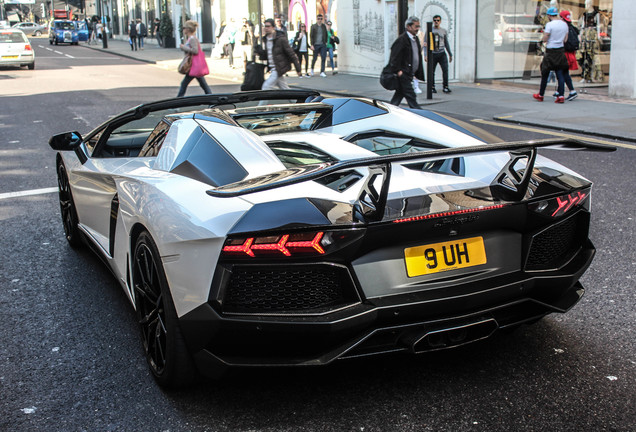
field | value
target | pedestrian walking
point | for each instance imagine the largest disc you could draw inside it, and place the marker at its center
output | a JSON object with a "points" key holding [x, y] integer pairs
{"points": [[332, 40], [278, 55], [142, 32], [156, 29], [554, 36], [440, 48], [571, 45], [406, 62], [247, 43], [132, 36], [280, 26], [301, 46], [318, 40], [191, 47], [230, 32]]}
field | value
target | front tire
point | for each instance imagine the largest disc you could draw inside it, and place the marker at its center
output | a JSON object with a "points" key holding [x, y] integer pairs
{"points": [[166, 352], [67, 207]]}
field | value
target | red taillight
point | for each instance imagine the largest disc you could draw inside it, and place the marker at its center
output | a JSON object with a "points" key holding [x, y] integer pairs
{"points": [[27, 47], [566, 202], [556, 207], [284, 244], [514, 30], [447, 214]]}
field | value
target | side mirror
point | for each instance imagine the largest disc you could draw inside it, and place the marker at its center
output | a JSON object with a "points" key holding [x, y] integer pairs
{"points": [[65, 141]]}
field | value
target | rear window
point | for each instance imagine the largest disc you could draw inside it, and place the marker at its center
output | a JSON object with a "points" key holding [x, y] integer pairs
{"points": [[12, 37]]}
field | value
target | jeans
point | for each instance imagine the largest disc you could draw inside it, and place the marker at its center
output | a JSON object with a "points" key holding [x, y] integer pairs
{"points": [[330, 51], [140, 41], [441, 59], [322, 51], [560, 82], [301, 56], [188, 79]]}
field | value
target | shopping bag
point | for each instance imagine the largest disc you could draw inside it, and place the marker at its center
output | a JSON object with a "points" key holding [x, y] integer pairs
{"points": [[199, 65]]}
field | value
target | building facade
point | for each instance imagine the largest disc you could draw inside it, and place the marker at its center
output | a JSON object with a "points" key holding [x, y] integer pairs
{"points": [[490, 39]]}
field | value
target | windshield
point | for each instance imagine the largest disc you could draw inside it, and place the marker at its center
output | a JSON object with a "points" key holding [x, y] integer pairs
{"points": [[64, 26], [284, 118]]}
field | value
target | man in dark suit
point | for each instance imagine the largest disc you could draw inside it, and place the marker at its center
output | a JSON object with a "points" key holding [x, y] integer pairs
{"points": [[406, 63]]}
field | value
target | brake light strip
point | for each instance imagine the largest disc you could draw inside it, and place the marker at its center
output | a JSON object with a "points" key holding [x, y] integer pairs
{"points": [[447, 214]]}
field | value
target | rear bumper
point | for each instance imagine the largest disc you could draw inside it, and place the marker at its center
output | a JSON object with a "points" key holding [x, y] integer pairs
{"points": [[21, 61], [413, 322]]}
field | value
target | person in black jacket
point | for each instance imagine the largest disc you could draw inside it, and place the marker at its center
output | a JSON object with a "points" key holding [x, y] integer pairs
{"points": [[132, 36], [406, 63]]}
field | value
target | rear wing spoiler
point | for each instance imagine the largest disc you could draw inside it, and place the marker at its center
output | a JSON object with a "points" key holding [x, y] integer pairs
{"points": [[508, 184]]}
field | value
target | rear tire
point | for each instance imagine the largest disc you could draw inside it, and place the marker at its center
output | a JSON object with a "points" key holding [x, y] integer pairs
{"points": [[67, 207], [31, 66], [166, 352], [38, 33]]}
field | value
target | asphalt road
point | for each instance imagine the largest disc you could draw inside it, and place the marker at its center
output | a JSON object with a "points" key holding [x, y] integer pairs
{"points": [[70, 351]]}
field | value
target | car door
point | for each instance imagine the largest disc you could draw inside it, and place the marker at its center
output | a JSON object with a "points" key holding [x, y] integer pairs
{"points": [[95, 190]]}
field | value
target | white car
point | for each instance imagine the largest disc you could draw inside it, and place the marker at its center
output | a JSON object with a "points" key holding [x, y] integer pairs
{"points": [[15, 49], [288, 234]]}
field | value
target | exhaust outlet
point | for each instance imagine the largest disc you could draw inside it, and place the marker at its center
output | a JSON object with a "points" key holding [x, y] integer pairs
{"points": [[453, 336]]}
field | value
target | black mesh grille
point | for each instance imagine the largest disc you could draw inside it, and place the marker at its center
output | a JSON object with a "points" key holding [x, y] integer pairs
{"points": [[287, 289], [552, 247]]}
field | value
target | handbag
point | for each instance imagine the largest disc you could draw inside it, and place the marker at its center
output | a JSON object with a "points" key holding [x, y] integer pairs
{"points": [[254, 76], [199, 67], [185, 65], [388, 79]]}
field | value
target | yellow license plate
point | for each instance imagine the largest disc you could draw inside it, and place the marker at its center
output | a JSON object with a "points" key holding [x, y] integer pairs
{"points": [[9, 57], [440, 257]]}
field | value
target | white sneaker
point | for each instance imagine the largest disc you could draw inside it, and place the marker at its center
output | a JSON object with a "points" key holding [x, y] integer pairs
{"points": [[311, 73], [417, 90], [322, 74]]}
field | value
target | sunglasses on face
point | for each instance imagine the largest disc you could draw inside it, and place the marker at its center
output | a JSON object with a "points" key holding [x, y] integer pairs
{"points": [[437, 20]]}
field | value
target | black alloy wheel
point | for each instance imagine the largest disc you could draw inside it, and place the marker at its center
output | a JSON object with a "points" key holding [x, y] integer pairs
{"points": [[166, 352], [67, 207]]}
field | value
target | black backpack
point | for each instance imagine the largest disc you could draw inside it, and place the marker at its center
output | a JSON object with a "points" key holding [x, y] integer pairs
{"points": [[572, 44]]}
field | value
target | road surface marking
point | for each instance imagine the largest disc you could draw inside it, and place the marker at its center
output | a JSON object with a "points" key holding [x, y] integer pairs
{"points": [[57, 52], [554, 133], [69, 56], [27, 193]]}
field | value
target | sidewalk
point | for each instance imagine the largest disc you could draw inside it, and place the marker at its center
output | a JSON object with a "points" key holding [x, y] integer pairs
{"points": [[596, 115]]}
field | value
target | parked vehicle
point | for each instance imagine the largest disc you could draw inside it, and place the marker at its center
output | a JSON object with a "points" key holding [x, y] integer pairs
{"points": [[15, 49], [63, 31], [518, 29], [31, 28]]}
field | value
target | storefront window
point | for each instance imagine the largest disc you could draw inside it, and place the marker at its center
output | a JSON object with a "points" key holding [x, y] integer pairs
{"points": [[509, 34]]}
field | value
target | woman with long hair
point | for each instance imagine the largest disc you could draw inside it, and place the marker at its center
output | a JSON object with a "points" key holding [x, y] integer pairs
{"points": [[300, 46], [191, 47]]}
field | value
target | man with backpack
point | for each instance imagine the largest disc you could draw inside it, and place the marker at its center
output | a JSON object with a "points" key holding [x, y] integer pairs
{"points": [[571, 46]]}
